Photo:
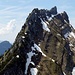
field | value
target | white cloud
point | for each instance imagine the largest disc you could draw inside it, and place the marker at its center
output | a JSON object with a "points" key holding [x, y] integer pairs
{"points": [[8, 28]]}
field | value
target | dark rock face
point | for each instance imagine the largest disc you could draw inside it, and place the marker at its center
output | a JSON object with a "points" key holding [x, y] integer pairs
{"points": [[44, 46]]}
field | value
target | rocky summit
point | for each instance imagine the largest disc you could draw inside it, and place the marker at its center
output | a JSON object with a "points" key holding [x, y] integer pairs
{"points": [[44, 46]]}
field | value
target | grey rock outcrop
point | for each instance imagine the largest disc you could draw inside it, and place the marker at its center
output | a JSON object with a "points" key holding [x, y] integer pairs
{"points": [[44, 46]]}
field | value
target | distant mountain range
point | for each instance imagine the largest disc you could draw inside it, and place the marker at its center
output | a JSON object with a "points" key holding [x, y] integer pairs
{"points": [[5, 45]]}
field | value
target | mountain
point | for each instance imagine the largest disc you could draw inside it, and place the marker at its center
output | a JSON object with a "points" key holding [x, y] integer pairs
{"points": [[44, 46], [5, 45]]}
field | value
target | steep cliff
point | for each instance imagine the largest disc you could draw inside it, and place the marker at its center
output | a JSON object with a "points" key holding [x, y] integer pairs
{"points": [[44, 46]]}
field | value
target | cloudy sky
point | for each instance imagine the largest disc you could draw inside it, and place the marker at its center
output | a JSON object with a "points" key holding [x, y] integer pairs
{"points": [[13, 14]]}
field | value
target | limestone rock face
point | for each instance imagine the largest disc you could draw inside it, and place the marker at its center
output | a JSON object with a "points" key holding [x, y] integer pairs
{"points": [[44, 46]]}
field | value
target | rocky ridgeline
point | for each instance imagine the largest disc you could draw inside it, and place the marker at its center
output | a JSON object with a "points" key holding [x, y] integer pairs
{"points": [[44, 46]]}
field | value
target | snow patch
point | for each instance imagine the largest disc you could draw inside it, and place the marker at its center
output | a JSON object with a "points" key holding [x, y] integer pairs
{"points": [[25, 33], [36, 47], [66, 35], [45, 27], [34, 71], [72, 34], [73, 72], [49, 19], [30, 54], [23, 37], [30, 23], [32, 63], [70, 44], [53, 60], [39, 49], [38, 66], [35, 13], [62, 27], [53, 15], [33, 48], [58, 34], [64, 73], [47, 22], [69, 34], [38, 44], [65, 21], [17, 56]]}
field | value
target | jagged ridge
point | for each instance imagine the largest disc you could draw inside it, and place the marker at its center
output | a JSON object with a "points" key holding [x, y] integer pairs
{"points": [[42, 47]]}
